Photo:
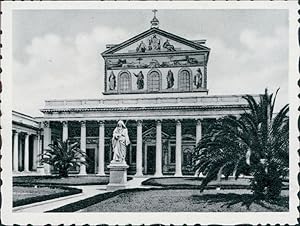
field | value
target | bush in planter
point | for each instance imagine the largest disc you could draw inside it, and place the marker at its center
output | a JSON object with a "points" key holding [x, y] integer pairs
{"points": [[63, 155], [256, 143]]}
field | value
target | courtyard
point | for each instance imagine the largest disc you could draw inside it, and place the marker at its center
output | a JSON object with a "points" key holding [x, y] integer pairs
{"points": [[164, 194]]}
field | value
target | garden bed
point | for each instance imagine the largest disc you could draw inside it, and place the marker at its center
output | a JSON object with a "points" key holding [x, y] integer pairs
{"points": [[195, 183], [68, 181], [54, 180], [23, 195], [176, 200]]}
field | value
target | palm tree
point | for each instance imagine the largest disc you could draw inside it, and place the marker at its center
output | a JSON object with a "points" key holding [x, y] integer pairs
{"points": [[63, 155], [256, 143]]}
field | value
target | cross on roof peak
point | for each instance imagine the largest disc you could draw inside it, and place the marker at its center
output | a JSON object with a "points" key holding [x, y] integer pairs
{"points": [[154, 22], [154, 11]]}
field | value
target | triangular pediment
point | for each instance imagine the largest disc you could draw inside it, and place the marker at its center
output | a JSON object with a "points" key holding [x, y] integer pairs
{"points": [[153, 41]]}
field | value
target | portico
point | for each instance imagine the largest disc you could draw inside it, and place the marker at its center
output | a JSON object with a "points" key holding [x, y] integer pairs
{"points": [[162, 135]]}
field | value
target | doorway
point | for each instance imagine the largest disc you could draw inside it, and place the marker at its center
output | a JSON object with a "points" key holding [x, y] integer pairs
{"points": [[150, 169], [90, 152]]}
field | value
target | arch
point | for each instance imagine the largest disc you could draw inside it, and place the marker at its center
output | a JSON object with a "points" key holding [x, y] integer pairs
{"points": [[185, 79], [188, 137], [154, 80], [124, 81]]}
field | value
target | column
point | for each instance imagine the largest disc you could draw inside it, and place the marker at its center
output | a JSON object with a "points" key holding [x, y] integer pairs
{"points": [[158, 171], [205, 76], [26, 153], [198, 131], [198, 138], [35, 151], [178, 171], [40, 168], [16, 152], [83, 145], [65, 130], [47, 141], [139, 148], [39, 147], [101, 149]]}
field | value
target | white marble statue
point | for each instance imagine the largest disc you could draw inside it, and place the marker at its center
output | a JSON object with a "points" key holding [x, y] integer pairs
{"points": [[120, 141]]}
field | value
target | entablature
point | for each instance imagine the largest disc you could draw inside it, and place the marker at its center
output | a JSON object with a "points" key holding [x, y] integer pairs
{"points": [[149, 108]]}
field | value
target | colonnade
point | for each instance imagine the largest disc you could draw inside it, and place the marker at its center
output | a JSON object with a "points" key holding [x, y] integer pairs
{"points": [[18, 150], [139, 145]]}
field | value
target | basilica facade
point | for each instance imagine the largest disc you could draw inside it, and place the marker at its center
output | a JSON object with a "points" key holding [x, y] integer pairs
{"points": [[156, 82]]}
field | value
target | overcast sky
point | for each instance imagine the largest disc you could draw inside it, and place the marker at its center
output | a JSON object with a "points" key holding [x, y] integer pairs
{"points": [[56, 53]]}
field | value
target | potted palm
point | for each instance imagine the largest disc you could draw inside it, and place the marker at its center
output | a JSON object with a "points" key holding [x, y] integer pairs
{"points": [[63, 155]]}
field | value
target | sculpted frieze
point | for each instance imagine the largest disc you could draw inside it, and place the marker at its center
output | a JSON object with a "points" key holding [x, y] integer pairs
{"points": [[154, 62]]}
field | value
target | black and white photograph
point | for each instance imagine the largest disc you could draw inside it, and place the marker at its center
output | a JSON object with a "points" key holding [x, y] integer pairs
{"points": [[143, 113]]}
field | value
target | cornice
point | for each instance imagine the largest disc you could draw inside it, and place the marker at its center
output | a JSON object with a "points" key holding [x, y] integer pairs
{"points": [[155, 54], [163, 108], [25, 125]]}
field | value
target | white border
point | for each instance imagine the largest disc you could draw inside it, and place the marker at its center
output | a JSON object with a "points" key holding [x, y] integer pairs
{"points": [[178, 218]]}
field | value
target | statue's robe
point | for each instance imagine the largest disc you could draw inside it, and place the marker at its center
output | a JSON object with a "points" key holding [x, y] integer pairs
{"points": [[119, 142]]}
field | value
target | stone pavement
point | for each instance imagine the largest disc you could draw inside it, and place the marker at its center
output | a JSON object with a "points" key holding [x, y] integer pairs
{"points": [[87, 192]]}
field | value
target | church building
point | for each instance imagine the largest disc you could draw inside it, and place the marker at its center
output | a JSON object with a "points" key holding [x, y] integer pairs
{"points": [[157, 83]]}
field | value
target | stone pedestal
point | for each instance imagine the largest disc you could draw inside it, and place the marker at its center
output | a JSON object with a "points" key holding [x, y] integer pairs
{"points": [[40, 170], [117, 176]]}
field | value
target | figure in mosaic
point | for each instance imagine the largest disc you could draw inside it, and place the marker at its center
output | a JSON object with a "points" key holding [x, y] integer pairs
{"points": [[120, 140], [140, 80], [154, 43], [170, 79], [112, 81], [141, 48], [198, 78], [168, 46]]}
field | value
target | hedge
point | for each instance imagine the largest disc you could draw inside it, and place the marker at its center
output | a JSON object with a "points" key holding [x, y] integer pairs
{"points": [[68, 191]]}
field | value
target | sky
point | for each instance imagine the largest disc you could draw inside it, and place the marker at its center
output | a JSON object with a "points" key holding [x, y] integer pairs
{"points": [[56, 53]]}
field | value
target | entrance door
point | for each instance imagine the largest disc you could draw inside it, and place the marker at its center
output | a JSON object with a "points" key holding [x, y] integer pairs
{"points": [[151, 159], [90, 152]]}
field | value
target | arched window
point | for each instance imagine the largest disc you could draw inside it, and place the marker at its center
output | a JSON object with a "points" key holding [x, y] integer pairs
{"points": [[154, 80], [124, 81], [185, 80]]}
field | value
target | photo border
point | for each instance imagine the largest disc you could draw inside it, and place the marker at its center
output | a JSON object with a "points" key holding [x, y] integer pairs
{"points": [[138, 218]]}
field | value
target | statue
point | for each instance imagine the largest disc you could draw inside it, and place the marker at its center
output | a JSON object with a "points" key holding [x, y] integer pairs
{"points": [[140, 80], [170, 79], [120, 141], [141, 48], [198, 79], [112, 81], [168, 46]]}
